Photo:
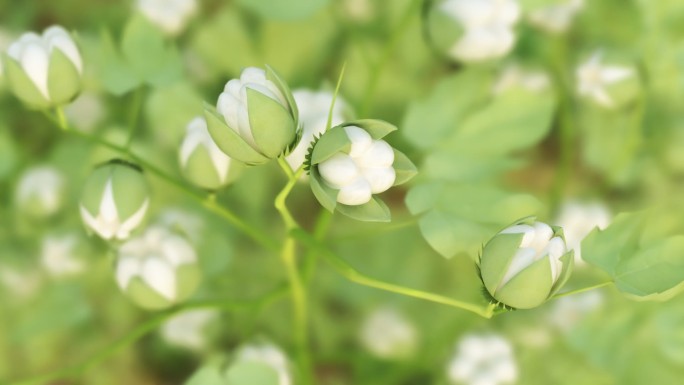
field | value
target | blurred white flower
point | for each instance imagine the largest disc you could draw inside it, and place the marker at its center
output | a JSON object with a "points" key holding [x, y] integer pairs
{"points": [[86, 112], [556, 18], [314, 107], [483, 360], [59, 256], [270, 355], [40, 191], [188, 329], [22, 284], [487, 27], [186, 221], [594, 79], [515, 77], [568, 311], [359, 10], [169, 15], [387, 334], [578, 219], [201, 160]]}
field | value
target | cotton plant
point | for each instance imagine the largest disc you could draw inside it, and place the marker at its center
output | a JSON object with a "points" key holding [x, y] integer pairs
{"points": [[557, 17], [388, 334], [607, 85], [171, 16], [474, 30], [578, 219], [483, 359], [40, 191]]}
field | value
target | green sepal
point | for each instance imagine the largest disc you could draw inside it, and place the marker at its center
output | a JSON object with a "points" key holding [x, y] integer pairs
{"points": [[130, 189], [200, 170], [285, 90], [496, 257], [188, 278], [144, 296], [22, 86], [374, 211], [403, 167], [326, 195], [229, 141], [529, 288], [93, 189], [568, 261], [272, 125], [332, 142], [377, 129], [64, 80], [251, 373]]}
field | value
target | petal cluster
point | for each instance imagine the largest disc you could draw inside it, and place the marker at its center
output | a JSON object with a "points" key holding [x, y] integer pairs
{"points": [[594, 79], [149, 268], [487, 27], [201, 160], [364, 171], [170, 15]]}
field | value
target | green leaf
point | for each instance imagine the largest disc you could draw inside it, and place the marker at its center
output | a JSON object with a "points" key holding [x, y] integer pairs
{"points": [[229, 141], [327, 196], [333, 141], [116, 75], [404, 168], [272, 125], [377, 129], [144, 296], [284, 10], [207, 375], [64, 80], [374, 211], [22, 86], [251, 373]]}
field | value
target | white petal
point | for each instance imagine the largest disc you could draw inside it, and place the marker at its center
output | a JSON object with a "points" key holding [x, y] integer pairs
{"points": [[528, 230], [253, 75], [355, 193], [470, 13], [126, 269], [35, 62], [361, 140], [523, 258], [339, 170], [178, 251], [379, 154], [244, 125], [614, 74], [95, 224], [194, 136], [542, 235], [508, 12], [228, 106], [133, 221], [160, 276], [380, 179], [60, 39], [233, 87], [263, 89]]}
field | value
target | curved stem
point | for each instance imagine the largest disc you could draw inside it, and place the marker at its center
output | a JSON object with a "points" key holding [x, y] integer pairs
{"points": [[61, 119], [582, 290], [143, 329], [280, 203], [346, 270]]}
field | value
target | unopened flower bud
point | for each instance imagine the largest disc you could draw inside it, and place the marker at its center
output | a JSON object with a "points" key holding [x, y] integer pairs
{"points": [[170, 16], [525, 264], [201, 161], [114, 200]]}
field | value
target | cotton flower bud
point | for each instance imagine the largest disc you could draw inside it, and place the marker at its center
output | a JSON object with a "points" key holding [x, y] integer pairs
{"points": [[351, 163], [473, 30], [201, 161], [609, 86], [170, 16], [114, 200], [44, 71], [157, 269], [40, 192], [255, 119], [525, 264]]}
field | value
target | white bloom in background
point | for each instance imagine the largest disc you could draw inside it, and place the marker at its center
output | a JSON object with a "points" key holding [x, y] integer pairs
{"points": [[365, 171], [188, 329], [387, 334], [169, 15], [35, 53], [314, 107], [22, 284], [359, 10], [40, 191], [86, 112], [568, 311], [483, 360], [513, 76], [270, 355], [578, 220], [201, 161], [157, 269], [594, 78], [487, 27], [556, 18], [185, 221], [59, 256]]}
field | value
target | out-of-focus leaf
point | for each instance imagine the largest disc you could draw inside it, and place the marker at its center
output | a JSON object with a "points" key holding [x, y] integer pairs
{"points": [[284, 10], [252, 373]]}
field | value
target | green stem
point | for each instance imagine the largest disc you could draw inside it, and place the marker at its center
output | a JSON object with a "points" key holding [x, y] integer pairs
{"points": [[136, 105], [72, 372], [378, 230], [347, 271], [582, 290], [280, 203], [334, 99], [320, 230], [61, 119]]}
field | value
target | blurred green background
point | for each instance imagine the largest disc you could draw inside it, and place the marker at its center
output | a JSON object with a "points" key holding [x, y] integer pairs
{"points": [[486, 158]]}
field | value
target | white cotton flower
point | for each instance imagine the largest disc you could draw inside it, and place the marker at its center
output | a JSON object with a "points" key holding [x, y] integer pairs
{"points": [[86, 112], [188, 329], [487, 27], [201, 161], [568, 311], [270, 355], [483, 360], [556, 18], [578, 219], [515, 77], [40, 191], [33, 53], [155, 259], [314, 107], [594, 78], [59, 256], [365, 171], [387, 334], [169, 15]]}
